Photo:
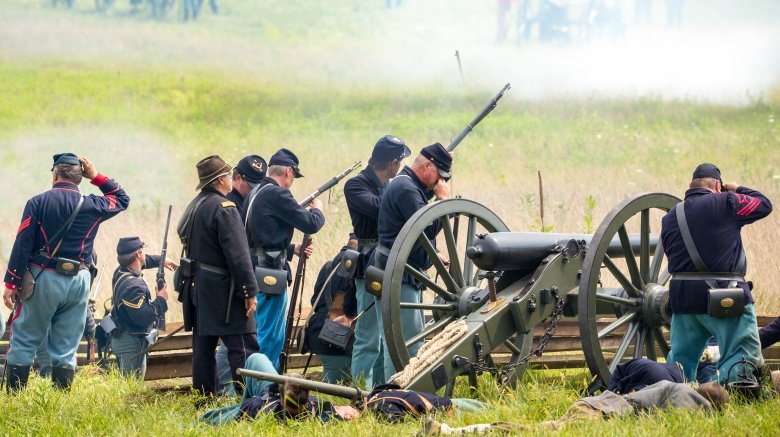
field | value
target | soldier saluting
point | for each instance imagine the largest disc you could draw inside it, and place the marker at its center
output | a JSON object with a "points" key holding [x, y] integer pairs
{"points": [[53, 248], [218, 288], [272, 215]]}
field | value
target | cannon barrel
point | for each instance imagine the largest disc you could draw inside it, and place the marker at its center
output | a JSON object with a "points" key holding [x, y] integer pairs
{"points": [[316, 386], [503, 251]]}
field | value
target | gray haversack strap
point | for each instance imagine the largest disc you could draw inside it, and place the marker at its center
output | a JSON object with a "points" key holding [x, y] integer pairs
{"points": [[703, 274]]}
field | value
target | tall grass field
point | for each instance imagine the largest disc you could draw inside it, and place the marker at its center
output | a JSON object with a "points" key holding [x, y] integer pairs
{"points": [[144, 99]]}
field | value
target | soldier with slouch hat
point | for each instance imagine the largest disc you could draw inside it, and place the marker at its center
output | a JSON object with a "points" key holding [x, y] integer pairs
{"points": [[51, 256], [218, 288]]}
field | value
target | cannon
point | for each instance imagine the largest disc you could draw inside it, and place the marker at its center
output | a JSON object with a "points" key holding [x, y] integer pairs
{"points": [[501, 284]]}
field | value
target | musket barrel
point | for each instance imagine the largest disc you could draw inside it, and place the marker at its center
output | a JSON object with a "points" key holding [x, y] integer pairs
{"points": [[316, 386], [467, 130], [525, 250], [330, 184]]}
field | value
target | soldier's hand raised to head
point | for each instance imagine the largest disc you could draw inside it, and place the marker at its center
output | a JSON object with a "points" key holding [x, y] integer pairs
{"points": [[89, 169], [250, 305], [730, 186], [441, 190]]}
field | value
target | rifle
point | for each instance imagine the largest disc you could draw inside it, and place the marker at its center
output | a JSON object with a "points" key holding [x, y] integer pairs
{"points": [[93, 309], [469, 127], [352, 393], [330, 184], [300, 270], [161, 268]]}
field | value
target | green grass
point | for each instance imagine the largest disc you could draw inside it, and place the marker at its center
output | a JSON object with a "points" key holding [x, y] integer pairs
{"points": [[148, 126], [111, 405], [136, 96]]}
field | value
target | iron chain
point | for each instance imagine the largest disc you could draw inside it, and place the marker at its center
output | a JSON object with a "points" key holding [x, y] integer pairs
{"points": [[549, 331]]}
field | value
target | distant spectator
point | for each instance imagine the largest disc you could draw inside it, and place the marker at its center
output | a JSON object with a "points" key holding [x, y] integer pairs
{"points": [[397, 3], [643, 12], [674, 13], [502, 22]]}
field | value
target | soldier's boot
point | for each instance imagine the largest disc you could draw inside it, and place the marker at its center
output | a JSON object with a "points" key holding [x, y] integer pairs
{"points": [[62, 377], [17, 377]]}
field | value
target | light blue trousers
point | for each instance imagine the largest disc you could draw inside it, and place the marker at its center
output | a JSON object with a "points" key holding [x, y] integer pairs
{"points": [[254, 387], [127, 348], [271, 321], [224, 376], [412, 323], [335, 368], [737, 338], [60, 303], [367, 352]]}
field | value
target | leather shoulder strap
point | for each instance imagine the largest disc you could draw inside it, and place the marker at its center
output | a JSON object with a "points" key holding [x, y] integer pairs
{"points": [[63, 231]]}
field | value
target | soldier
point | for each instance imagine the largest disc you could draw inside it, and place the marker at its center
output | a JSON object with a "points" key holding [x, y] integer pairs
{"points": [[133, 311], [272, 214], [411, 190], [53, 247], [247, 174], [218, 288], [363, 195], [714, 220]]}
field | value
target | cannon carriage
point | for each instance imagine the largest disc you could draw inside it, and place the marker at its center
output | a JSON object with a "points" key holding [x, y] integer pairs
{"points": [[502, 284]]}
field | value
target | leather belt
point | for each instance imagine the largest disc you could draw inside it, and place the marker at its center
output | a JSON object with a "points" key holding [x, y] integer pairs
{"points": [[213, 269]]}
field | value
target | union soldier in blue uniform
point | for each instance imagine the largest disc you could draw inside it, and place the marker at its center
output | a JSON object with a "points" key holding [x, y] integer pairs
{"points": [[247, 174], [249, 171], [363, 195], [411, 190], [218, 290], [715, 218], [770, 334], [272, 215], [134, 312], [57, 257]]}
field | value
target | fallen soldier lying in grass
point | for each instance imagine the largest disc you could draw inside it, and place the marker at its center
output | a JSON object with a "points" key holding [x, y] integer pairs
{"points": [[290, 401]]}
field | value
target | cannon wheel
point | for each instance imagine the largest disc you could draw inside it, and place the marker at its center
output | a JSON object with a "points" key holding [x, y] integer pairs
{"points": [[640, 301], [472, 218]]}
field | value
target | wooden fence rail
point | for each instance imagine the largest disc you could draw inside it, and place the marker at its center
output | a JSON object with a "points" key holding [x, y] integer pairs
{"points": [[173, 358]]}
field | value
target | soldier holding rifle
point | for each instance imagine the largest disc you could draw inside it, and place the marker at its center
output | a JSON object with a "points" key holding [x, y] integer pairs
{"points": [[134, 312], [363, 195], [272, 215], [215, 269]]}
